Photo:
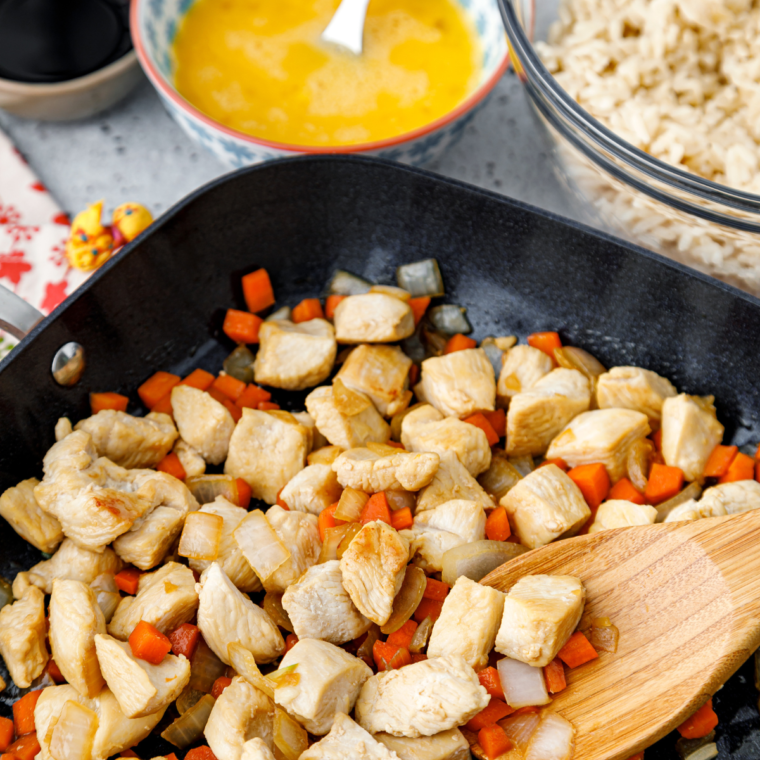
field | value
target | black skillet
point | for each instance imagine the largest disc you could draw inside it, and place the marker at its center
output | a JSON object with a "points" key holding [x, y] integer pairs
{"points": [[159, 305]]}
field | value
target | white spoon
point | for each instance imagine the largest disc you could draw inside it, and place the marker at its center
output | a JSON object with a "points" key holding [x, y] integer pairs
{"points": [[347, 25]]}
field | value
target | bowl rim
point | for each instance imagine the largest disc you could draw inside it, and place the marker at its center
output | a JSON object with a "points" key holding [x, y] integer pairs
{"points": [[169, 92]]}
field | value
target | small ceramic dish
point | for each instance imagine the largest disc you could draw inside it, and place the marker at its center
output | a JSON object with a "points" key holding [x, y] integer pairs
{"points": [[154, 24]]}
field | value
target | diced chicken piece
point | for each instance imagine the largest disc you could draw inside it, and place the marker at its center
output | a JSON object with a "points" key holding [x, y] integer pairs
{"points": [[463, 517], [459, 383], [342, 430], [229, 557], [298, 531], [226, 615], [22, 637], [348, 740], [367, 471], [373, 569], [452, 481], [603, 435], [267, 450], [165, 598], [426, 429], [19, 507], [618, 513], [329, 683], [380, 372], [74, 563], [256, 749], [468, 623], [320, 608], [140, 687], [536, 416], [373, 318], [540, 614], [75, 621], [115, 731], [522, 368], [203, 422], [130, 441], [718, 501], [63, 428], [192, 462], [545, 505], [690, 431], [633, 388], [241, 713], [421, 699], [317, 439], [448, 745], [312, 490], [295, 356]]}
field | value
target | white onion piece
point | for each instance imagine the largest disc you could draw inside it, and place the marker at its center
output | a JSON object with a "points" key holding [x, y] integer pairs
{"points": [[476, 559], [449, 319], [333, 537], [520, 728], [523, 685], [421, 278], [346, 284], [201, 535], [188, 728], [289, 736], [205, 667], [351, 504], [554, 739], [260, 545], [74, 733], [281, 313], [108, 601], [244, 663]]}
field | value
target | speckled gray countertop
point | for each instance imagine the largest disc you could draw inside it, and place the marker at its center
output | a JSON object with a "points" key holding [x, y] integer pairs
{"points": [[135, 152]]}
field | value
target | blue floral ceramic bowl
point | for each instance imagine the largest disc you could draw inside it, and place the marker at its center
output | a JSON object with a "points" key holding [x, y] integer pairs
{"points": [[154, 24]]}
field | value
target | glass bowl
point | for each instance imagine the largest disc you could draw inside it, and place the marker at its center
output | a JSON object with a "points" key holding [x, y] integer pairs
{"points": [[623, 190]]}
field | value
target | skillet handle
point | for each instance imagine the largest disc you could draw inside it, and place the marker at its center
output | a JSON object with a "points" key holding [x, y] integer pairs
{"points": [[17, 316]]}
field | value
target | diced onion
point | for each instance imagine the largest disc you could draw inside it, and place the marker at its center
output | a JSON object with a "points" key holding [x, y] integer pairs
{"points": [[244, 663], [273, 607], [187, 699], [407, 600], [449, 319], [206, 488], [351, 504], [413, 346], [6, 593], [205, 668], [605, 638], [401, 500], [639, 461], [499, 478], [364, 652], [421, 635], [289, 736], [692, 491], [524, 465], [478, 558], [324, 455], [505, 342], [333, 537], [347, 401], [397, 419], [260, 545], [346, 284], [421, 278], [201, 535], [523, 685], [381, 449], [390, 290], [520, 728], [108, 601], [188, 728], [239, 364], [281, 313], [433, 341], [494, 353], [351, 530], [697, 749], [74, 733], [554, 739]]}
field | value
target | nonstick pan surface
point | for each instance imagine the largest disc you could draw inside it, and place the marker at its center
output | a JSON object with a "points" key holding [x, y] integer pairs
{"points": [[160, 303]]}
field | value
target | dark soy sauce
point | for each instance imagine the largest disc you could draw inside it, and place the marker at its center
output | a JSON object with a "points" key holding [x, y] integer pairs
{"points": [[44, 41]]}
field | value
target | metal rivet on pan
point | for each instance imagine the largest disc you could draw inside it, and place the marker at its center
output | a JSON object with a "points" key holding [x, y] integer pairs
{"points": [[68, 364]]}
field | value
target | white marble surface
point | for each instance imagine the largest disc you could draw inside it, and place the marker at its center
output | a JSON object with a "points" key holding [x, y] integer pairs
{"points": [[135, 152]]}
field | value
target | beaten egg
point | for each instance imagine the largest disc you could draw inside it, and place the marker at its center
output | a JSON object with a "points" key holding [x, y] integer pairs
{"points": [[259, 67]]}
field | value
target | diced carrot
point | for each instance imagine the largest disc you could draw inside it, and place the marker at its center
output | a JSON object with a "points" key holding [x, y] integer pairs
{"points": [[252, 396], [418, 657], [225, 401], [657, 439], [170, 756], [497, 525], [414, 375], [376, 509], [700, 724], [171, 465], [204, 752], [664, 483], [23, 712], [242, 326], [593, 481], [637, 756], [459, 342], [184, 639], [437, 590], [757, 452], [6, 733], [403, 636], [219, 686], [127, 580], [308, 309], [396, 444], [554, 675], [257, 290], [479, 420], [164, 406], [6, 756], [199, 379], [493, 712], [418, 307], [389, 657], [561, 463], [156, 387], [402, 519], [265, 406], [280, 502], [25, 748], [290, 641], [577, 651], [244, 493], [498, 420], [148, 643], [428, 608], [490, 681], [719, 460], [327, 520], [626, 491], [54, 671], [100, 401], [545, 341], [331, 304], [742, 468], [493, 740], [229, 386]]}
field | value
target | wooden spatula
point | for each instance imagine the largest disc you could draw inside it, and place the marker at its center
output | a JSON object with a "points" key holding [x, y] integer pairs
{"points": [[686, 599]]}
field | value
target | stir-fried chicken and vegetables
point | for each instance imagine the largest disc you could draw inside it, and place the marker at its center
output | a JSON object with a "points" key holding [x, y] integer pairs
{"points": [[253, 583]]}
